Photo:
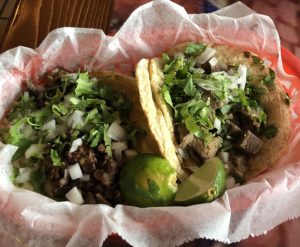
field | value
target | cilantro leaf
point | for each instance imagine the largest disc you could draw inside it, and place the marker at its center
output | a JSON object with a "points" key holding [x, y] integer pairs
{"points": [[190, 88], [166, 94], [55, 157], [85, 85], [194, 49]]}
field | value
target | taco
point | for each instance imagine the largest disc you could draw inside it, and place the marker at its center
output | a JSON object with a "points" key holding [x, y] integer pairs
{"points": [[220, 101], [74, 134]]}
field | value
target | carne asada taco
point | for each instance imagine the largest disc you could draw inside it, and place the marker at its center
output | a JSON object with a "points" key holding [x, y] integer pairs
{"points": [[220, 101], [74, 135]]}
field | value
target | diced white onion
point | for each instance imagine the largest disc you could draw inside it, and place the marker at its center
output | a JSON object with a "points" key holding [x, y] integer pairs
{"points": [[230, 182], [116, 132], [75, 144], [217, 125], [206, 55], [33, 150], [243, 76], [85, 177], [75, 196], [224, 156], [213, 61], [24, 175], [76, 120], [118, 148], [75, 171], [179, 55], [130, 154], [50, 125]]}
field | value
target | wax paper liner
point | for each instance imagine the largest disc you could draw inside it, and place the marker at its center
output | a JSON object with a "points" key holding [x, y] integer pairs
{"points": [[30, 219]]}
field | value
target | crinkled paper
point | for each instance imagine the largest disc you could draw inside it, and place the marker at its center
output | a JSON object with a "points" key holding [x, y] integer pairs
{"points": [[30, 219]]}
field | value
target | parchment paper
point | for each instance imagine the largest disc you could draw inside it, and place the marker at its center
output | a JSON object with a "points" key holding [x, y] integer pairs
{"points": [[30, 219]]}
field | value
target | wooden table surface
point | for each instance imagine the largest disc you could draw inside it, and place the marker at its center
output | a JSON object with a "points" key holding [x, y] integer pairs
{"points": [[27, 24]]}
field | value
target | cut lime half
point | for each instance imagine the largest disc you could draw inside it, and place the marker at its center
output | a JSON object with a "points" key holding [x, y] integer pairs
{"points": [[205, 185], [148, 181]]}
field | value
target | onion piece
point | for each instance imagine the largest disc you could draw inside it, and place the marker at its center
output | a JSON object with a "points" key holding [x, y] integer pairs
{"points": [[217, 125], [242, 70], [206, 55], [49, 126], [76, 120], [240, 80], [116, 132], [75, 196], [230, 182], [75, 144], [33, 150], [24, 175], [224, 156], [118, 148], [130, 154], [213, 61], [75, 171]]}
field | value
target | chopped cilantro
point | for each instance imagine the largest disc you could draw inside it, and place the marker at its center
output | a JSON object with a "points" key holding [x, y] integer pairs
{"points": [[55, 157], [194, 49]]}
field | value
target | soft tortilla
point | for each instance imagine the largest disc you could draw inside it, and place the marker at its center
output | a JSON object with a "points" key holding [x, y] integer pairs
{"points": [[155, 118], [127, 87], [274, 103]]}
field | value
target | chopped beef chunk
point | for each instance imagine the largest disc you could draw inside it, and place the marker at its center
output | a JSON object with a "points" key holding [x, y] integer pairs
{"points": [[234, 129], [247, 120], [197, 145], [86, 158], [180, 132], [206, 151], [186, 141], [249, 143], [238, 161], [90, 198], [234, 171], [101, 186], [101, 199]]}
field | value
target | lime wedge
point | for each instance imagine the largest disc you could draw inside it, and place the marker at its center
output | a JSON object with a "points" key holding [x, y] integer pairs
{"points": [[148, 181], [205, 185]]}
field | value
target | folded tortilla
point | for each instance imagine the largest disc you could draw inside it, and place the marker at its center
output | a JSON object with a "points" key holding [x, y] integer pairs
{"points": [[127, 86], [149, 73]]}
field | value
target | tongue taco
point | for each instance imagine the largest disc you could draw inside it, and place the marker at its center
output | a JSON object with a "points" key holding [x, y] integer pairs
{"points": [[74, 134], [216, 100]]}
